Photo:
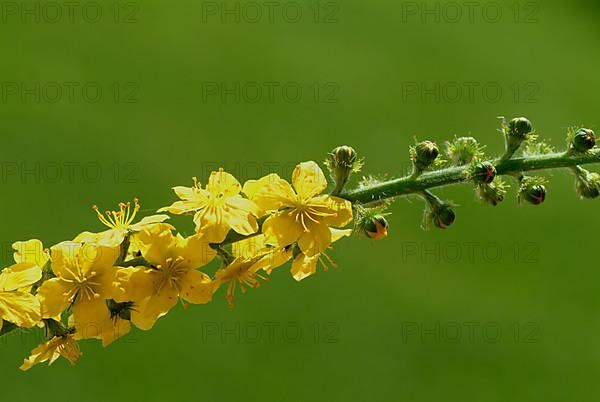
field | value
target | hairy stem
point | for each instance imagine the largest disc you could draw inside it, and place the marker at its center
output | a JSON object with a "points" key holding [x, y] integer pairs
{"points": [[452, 175]]}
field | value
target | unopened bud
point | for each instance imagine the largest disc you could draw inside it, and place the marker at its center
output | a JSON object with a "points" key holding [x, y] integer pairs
{"points": [[483, 173], [532, 190], [588, 184], [584, 140], [342, 161], [425, 154], [376, 227], [444, 217], [519, 127]]}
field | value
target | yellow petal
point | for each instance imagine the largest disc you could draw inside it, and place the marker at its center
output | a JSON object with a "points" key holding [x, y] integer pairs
{"points": [[242, 204], [252, 187], [156, 243], [337, 234], [222, 184], [50, 351], [270, 193], [275, 259], [211, 225], [30, 251], [197, 287], [108, 238], [135, 284], [335, 211], [281, 229], [304, 266], [316, 240], [182, 207], [146, 314], [308, 180], [240, 220], [146, 221], [96, 257], [114, 329], [20, 308], [91, 318], [195, 194], [195, 250], [19, 276], [55, 296]]}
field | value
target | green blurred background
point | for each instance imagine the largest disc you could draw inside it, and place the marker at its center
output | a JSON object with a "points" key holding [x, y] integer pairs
{"points": [[388, 316]]}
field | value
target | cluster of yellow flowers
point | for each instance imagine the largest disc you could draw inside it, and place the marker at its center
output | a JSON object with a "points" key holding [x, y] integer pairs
{"points": [[99, 284]]}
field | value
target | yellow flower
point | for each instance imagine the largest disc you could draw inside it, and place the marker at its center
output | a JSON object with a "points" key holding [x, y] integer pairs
{"points": [[84, 282], [218, 208], [17, 305], [175, 259], [270, 257], [120, 224], [304, 266], [303, 215], [242, 271], [31, 251], [64, 346]]}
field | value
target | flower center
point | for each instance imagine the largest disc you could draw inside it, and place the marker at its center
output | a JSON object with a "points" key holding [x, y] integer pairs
{"points": [[122, 218], [173, 271]]}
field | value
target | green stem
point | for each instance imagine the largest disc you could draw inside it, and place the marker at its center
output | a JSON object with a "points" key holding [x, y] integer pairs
{"points": [[417, 184], [452, 175]]}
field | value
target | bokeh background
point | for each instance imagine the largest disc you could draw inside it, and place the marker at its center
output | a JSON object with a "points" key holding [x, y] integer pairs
{"points": [[502, 306]]}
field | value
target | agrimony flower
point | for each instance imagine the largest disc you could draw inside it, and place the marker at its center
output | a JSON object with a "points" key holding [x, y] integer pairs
{"points": [[84, 282], [175, 260], [65, 346], [305, 265], [217, 208], [303, 214]]}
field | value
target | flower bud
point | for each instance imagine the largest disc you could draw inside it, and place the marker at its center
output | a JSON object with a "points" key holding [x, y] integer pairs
{"points": [[344, 156], [483, 173], [342, 161], [437, 212], [515, 132], [425, 154], [376, 227], [588, 184], [584, 140], [532, 190], [535, 194], [492, 193], [519, 127], [444, 216]]}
